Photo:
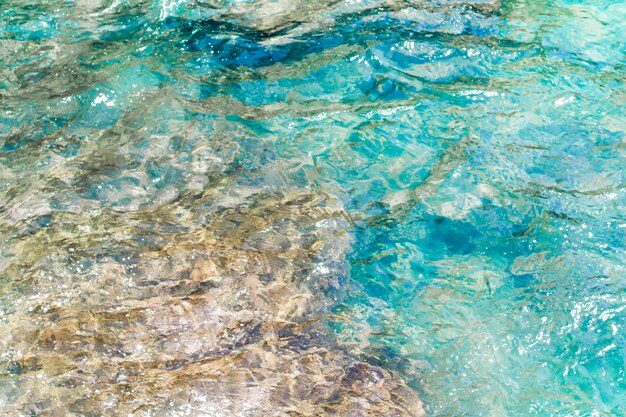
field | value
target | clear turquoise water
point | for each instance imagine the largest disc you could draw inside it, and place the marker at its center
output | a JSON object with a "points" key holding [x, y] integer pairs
{"points": [[480, 158]]}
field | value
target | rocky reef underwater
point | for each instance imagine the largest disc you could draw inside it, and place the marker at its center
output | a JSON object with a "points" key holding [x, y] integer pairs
{"points": [[223, 321]]}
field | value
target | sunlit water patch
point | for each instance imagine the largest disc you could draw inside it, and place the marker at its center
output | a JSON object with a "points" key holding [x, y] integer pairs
{"points": [[260, 208]]}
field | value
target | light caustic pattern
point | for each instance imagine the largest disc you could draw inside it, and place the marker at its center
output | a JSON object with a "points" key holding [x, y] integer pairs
{"points": [[273, 208]]}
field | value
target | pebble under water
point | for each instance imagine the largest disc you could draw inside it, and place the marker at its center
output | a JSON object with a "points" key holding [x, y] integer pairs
{"points": [[304, 208]]}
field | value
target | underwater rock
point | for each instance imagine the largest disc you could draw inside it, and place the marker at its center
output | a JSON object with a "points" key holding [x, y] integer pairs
{"points": [[298, 16], [227, 321]]}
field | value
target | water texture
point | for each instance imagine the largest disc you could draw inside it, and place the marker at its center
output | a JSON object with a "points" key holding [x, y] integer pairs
{"points": [[304, 208]]}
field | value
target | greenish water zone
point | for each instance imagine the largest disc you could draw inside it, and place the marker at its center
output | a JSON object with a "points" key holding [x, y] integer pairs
{"points": [[476, 151]]}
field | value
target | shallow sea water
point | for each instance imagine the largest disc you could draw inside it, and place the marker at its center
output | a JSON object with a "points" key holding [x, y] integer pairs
{"points": [[272, 208]]}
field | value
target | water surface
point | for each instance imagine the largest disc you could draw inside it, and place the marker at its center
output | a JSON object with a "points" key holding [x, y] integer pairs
{"points": [[255, 207]]}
